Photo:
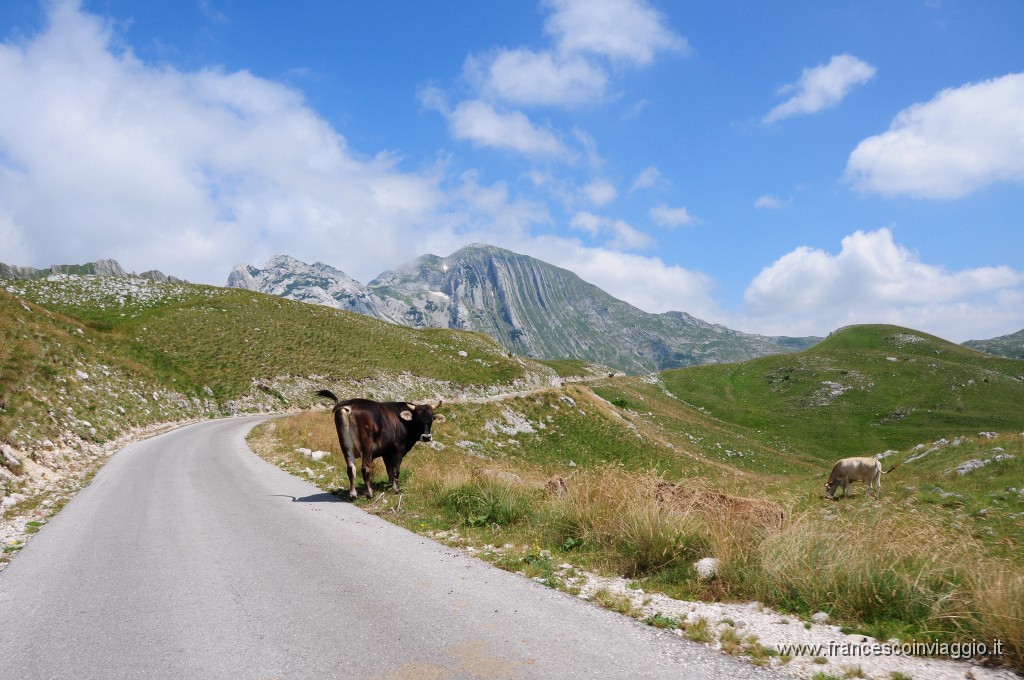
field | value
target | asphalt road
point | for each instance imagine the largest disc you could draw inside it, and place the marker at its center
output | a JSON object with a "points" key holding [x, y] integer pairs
{"points": [[190, 557]]}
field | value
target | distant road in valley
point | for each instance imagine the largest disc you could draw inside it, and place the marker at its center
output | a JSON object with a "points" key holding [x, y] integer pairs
{"points": [[190, 557]]}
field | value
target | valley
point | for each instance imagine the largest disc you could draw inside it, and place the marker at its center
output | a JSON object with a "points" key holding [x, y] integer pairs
{"points": [[89, 359]]}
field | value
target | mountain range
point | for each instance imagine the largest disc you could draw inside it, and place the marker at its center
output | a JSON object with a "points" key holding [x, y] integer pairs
{"points": [[531, 307], [97, 268]]}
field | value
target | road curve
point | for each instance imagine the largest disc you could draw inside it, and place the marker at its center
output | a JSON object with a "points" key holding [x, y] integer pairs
{"points": [[190, 557]]}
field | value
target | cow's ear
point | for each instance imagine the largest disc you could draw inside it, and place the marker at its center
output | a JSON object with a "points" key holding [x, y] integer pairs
{"points": [[405, 415], [439, 418]]}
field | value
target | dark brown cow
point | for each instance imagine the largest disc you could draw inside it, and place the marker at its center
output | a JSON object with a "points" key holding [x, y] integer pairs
{"points": [[371, 429]]}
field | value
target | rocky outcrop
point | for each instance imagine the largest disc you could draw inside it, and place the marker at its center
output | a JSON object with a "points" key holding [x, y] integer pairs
{"points": [[97, 268], [1010, 346], [315, 283]]}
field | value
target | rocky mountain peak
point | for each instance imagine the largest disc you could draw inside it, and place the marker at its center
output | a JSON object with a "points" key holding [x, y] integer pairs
{"points": [[530, 306]]}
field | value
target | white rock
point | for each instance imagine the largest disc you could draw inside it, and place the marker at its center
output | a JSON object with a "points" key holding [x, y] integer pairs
{"points": [[318, 455], [706, 567], [13, 499], [820, 617]]}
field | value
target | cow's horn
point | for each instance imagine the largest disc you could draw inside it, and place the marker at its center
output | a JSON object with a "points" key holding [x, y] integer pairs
{"points": [[435, 405], [411, 406]]}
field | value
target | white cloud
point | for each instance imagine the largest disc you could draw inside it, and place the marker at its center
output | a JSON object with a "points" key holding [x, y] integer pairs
{"points": [[188, 172], [671, 217], [874, 280], [822, 87], [590, 37], [480, 123], [621, 235], [600, 192], [477, 212], [527, 78], [770, 202], [963, 139], [649, 177], [622, 30], [645, 282]]}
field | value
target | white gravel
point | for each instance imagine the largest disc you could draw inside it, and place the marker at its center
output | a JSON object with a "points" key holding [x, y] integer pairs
{"points": [[840, 655], [812, 647]]}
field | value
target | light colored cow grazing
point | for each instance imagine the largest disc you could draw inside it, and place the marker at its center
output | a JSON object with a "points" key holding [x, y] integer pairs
{"points": [[859, 469]]}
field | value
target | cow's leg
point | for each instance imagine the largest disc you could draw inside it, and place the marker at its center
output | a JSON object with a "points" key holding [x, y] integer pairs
{"points": [[343, 419], [367, 474], [397, 467], [392, 474], [351, 465]]}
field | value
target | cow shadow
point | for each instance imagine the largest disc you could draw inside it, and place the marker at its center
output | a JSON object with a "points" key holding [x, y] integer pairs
{"points": [[337, 496]]}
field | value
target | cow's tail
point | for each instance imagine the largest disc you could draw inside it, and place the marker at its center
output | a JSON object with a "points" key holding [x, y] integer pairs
{"points": [[349, 443], [885, 472], [327, 394]]}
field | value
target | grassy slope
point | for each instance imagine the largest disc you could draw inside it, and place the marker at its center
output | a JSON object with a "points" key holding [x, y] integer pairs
{"points": [[862, 391], [83, 358], [225, 338], [57, 377]]}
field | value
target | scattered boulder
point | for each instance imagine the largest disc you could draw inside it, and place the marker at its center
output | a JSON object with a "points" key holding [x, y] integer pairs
{"points": [[556, 486], [819, 617], [976, 463], [706, 567], [9, 460]]}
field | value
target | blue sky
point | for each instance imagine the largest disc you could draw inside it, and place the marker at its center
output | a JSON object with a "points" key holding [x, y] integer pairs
{"points": [[782, 168]]}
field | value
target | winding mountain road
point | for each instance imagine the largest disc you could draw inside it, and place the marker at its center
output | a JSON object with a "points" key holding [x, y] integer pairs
{"points": [[190, 557]]}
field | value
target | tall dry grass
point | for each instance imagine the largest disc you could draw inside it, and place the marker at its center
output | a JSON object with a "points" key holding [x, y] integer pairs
{"points": [[993, 608], [873, 566], [620, 513], [878, 568], [881, 568]]}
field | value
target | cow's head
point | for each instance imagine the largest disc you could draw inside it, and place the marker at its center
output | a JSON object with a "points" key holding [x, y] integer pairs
{"points": [[421, 418], [830, 490]]}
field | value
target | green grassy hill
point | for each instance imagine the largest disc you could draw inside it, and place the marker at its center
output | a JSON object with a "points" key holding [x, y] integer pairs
{"points": [[863, 390], [203, 349], [63, 382]]}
